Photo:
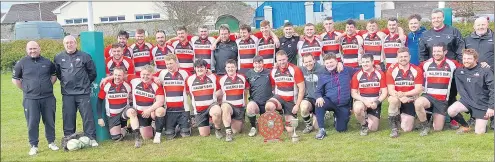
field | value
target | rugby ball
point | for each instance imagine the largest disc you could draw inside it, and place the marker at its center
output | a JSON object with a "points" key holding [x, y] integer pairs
{"points": [[74, 144], [84, 140]]}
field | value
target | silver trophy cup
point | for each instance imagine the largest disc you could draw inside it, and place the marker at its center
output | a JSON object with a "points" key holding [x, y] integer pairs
{"points": [[294, 123]]}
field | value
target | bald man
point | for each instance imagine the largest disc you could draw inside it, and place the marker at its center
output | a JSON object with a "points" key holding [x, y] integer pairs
{"points": [[35, 75], [76, 71], [481, 40]]}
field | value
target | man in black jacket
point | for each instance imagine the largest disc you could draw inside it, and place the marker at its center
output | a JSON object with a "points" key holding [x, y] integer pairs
{"points": [[76, 71], [288, 42], [481, 40], [225, 50]]}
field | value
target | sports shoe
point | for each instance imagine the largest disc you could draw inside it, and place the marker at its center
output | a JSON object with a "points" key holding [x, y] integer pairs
{"points": [[185, 134], [170, 136], [123, 131], [364, 130], [425, 128], [471, 122], [321, 134], [463, 130], [454, 125], [157, 138], [218, 133], [93, 143], [394, 133], [252, 132], [53, 146], [33, 151], [228, 135], [309, 128]]}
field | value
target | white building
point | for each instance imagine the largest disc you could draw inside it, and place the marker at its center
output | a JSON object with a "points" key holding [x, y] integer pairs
{"points": [[71, 13]]}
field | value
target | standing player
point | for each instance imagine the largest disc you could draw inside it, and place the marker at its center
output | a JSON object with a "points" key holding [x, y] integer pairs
{"points": [[392, 42], [475, 85], [372, 43], [309, 44], [288, 81], [404, 83], [439, 72], [173, 81], [122, 38], [184, 50], [288, 42], [114, 96], [266, 45], [141, 52], [202, 87], [351, 45], [160, 50], [310, 70], [118, 60], [233, 88], [202, 46], [259, 91], [247, 45], [369, 90], [330, 39], [224, 50]]}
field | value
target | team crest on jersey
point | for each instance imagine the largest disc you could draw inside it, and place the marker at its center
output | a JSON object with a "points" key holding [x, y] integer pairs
{"points": [[462, 72], [476, 74]]}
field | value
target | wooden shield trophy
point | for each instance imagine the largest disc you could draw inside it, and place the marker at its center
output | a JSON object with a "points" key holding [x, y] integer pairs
{"points": [[271, 126]]}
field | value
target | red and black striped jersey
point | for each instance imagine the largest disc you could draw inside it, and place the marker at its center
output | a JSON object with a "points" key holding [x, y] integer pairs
{"points": [[247, 50], [351, 50], [266, 49], [174, 89], [108, 53], [159, 53], [314, 47], [372, 44], [233, 89], [438, 77], [185, 55], [391, 45], [404, 80], [141, 56], [202, 90], [330, 43], [286, 80], [202, 49], [116, 96], [368, 84], [143, 94], [126, 63]]}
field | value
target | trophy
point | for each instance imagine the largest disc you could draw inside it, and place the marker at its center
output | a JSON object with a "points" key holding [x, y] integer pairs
{"points": [[294, 123], [270, 126]]}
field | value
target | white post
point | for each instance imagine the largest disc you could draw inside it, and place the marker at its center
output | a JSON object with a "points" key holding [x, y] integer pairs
{"points": [[308, 6], [361, 16], [378, 9], [39, 8], [91, 25], [441, 4], [268, 11]]}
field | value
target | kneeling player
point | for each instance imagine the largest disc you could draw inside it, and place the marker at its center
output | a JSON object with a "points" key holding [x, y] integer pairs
{"points": [[115, 93], [309, 69], [475, 86], [202, 87], [233, 89], [259, 91], [368, 88], [404, 83], [148, 101], [288, 81]]}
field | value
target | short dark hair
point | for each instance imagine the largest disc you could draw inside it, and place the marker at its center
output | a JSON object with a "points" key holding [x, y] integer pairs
{"points": [[181, 28], [372, 21], [116, 45], [350, 22], [121, 68], [200, 63], [367, 56], [288, 24], [329, 56], [139, 31], [328, 18], [308, 55], [203, 27], [224, 27], [281, 53], [123, 33], [403, 49], [437, 10], [393, 19], [231, 61], [415, 16], [161, 31], [245, 27], [440, 44], [471, 52], [258, 58], [309, 24]]}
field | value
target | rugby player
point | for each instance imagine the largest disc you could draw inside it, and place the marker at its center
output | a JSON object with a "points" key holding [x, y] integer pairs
{"points": [[141, 52], [118, 60]]}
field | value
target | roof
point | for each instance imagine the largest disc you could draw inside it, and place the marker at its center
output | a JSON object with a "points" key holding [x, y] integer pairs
{"points": [[31, 12]]}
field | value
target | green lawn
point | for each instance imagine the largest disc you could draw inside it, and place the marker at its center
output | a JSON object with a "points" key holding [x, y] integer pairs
{"points": [[349, 146]]}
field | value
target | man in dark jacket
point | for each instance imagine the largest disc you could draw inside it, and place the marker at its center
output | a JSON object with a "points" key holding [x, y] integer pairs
{"points": [[310, 70], [481, 40], [413, 37], [288, 42], [35, 75], [225, 50], [333, 93], [76, 72]]}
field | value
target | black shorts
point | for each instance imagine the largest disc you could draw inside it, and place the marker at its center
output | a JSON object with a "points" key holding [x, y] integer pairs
{"points": [[438, 107], [238, 113], [172, 119], [117, 120], [286, 106], [143, 122], [261, 106], [408, 108], [475, 113], [376, 112], [203, 117], [312, 101]]}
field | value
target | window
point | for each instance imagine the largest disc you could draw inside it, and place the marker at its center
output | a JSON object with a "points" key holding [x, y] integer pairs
{"points": [[147, 16], [76, 21], [112, 18]]}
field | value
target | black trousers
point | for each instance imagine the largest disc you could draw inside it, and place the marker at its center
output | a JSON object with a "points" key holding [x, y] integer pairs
{"points": [[34, 109], [70, 105]]}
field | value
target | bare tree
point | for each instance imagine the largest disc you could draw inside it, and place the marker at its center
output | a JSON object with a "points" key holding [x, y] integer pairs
{"points": [[186, 13], [462, 8]]}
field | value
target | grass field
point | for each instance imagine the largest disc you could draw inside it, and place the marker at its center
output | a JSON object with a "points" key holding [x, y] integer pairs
{"points": [[348, 146]]}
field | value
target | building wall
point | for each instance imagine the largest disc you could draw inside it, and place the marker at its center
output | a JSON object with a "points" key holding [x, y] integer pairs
{"points": [[105, 9]]}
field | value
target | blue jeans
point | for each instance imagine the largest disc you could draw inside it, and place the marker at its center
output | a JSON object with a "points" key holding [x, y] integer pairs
{"points": [[341, 114]]}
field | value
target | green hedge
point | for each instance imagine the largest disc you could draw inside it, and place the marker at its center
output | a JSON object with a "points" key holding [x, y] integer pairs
{"points": [[13, 51]]}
